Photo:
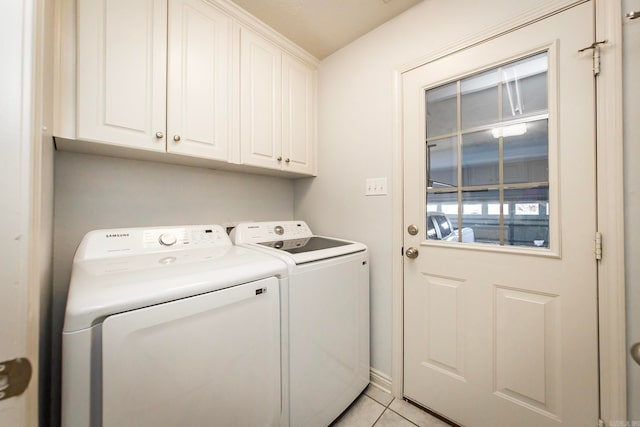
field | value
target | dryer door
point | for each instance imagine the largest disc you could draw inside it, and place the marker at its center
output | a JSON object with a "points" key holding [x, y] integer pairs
{"points": [[212, 359]]}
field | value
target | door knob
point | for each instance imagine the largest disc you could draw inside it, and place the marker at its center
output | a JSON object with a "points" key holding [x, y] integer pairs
{"points": [[176, 138], [412, 253], [412, 229], [635, 352], [159, 135]]}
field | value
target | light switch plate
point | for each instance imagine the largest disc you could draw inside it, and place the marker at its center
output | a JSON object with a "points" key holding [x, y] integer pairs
{"points": [[376, 187]]}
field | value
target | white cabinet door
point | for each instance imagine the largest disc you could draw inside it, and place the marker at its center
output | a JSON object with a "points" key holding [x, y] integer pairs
{"points": [[198, 86], [260, 101], [121, 72], [298, 125]]}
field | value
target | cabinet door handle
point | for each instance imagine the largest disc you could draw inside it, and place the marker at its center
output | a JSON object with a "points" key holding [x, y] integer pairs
{"points": [[176, 138], [159, 135], [279, 158], [288, 160]]}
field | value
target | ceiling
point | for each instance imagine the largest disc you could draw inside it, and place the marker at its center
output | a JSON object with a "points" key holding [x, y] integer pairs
{"points": [[321, 27]]}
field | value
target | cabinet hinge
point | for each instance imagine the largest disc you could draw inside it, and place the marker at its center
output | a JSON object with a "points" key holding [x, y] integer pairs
{"points": [[595, 48], [598, 245], [600, 423]]}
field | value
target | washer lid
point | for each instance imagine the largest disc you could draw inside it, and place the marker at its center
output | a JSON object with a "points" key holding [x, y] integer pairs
{"points": [[308, 244], [103, 286], [294, 240], [301, 256], [314, 248]]}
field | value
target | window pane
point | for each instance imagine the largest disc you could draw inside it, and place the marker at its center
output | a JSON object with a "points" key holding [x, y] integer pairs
{"points": [[442, 163], [528, 222], [480, 159], [485, 134], [524, 88], [483, 228], [442, 108], [479, 99], [526, 156], [441, 223]]}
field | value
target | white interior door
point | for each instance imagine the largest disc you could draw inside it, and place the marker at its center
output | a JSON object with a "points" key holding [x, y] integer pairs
{"points": [[500, 309]]}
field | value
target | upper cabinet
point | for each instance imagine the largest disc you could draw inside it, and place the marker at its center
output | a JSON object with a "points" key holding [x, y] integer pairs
{"points": [[277, 107], [195, 81], [199, 80], [260, 101], [146, 83], [121, 72], [298, 116]]}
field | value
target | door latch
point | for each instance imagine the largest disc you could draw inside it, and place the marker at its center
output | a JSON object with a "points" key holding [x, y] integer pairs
{"points": [[14, 377]]}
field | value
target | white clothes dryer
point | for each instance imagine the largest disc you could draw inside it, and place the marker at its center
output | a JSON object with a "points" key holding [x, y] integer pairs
{"points": [[172, 326], [327, 308]]}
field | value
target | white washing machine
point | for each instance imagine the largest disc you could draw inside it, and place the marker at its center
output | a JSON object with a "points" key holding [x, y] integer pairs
{"points": [[172, 326], [328, 316]]}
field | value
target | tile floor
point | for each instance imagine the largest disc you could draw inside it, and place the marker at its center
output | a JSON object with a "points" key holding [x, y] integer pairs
{"points": [[376, 407]]}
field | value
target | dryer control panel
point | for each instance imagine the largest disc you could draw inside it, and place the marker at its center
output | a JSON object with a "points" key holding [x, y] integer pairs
{"points": [[137, 241]]}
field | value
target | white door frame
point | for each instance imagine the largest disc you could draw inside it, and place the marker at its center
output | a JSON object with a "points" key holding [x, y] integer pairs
{"points": [[30, 191], [610, 187]]}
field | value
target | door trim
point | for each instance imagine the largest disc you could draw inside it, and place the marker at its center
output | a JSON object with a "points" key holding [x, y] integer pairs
{"points": [[610, 202], [610, 193]]}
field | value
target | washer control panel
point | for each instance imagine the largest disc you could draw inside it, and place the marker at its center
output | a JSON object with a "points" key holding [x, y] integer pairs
{"points": [[136, 241], [260, 232]]}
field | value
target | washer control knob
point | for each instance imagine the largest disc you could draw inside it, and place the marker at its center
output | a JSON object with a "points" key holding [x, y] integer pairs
{"points": [[167, 239], [279, 230]]}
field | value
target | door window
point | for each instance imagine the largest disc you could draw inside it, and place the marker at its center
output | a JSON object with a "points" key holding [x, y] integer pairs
{"points": [[487, 149]]}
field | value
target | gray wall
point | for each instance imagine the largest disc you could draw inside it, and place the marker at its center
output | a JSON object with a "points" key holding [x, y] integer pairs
{"points": [[631, 59], [93, 192]]}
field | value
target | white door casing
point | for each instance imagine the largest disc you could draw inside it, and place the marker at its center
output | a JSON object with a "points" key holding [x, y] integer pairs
{"points": [[24, 239], [631, 30], [506, 336]]}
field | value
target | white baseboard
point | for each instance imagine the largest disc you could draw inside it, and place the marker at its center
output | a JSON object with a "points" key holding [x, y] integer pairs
{"points": [[380, 380]]}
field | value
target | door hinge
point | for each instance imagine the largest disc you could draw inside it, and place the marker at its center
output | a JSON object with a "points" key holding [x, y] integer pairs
{"points": [[598, 244], [595, 48], [14, 377], [600, 423]]}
